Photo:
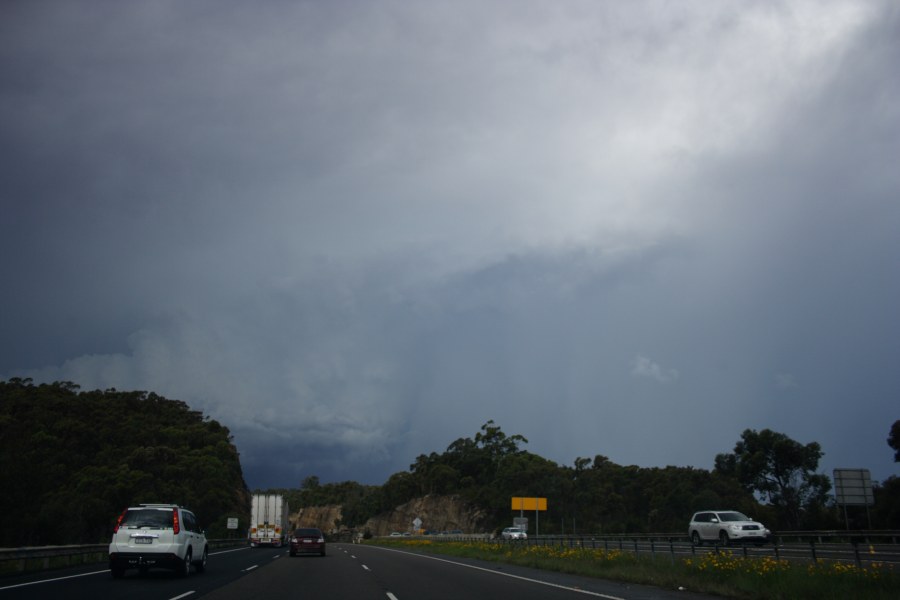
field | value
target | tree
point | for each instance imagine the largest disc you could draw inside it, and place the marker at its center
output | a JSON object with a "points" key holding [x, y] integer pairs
{"points": [[77, 459], [780, 469], [894, 440], [496, 443]]}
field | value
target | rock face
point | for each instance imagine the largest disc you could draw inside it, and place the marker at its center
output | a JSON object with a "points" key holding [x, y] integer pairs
{"points": [[323, 517], [437, 513]]}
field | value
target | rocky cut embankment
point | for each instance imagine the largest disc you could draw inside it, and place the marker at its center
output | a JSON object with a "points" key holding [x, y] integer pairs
{"points": [[437, 513]]}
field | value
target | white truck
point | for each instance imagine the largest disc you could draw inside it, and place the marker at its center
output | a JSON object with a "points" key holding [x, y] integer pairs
{"points": [[269, 525]]}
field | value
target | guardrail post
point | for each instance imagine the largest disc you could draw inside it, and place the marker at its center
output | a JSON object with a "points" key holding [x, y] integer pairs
{"points": [[812, 548]]}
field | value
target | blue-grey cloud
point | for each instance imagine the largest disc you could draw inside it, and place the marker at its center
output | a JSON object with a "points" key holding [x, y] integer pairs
{"points": [[353, 232]]}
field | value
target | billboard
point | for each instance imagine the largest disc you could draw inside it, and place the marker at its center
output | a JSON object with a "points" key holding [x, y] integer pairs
{"points": [[853, 487]]}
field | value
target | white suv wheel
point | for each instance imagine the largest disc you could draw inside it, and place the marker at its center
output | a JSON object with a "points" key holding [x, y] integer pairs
{"points": [[186, 566], [201, 566]]}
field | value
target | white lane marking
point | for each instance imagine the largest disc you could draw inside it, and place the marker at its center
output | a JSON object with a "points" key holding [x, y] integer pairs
{"points": [[366, 568], [538, 581], [391, 596], [18, 585], [227, 551], [184, 595], [251, 568]]}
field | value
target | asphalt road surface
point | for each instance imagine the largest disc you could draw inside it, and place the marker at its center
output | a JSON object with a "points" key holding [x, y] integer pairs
{"points": [[357, 572]]}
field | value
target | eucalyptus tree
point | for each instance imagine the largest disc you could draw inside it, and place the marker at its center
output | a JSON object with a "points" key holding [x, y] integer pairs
{"points": [[780, 470]]}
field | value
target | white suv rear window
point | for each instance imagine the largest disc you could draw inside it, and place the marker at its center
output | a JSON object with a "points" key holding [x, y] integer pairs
{"points": [[148, 517]]}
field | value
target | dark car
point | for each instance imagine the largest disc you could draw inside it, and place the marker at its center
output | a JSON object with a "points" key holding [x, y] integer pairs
{"points": [[308, 540]]}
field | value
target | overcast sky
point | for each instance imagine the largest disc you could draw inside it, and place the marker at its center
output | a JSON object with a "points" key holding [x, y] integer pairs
{"points": [[353, 232]]}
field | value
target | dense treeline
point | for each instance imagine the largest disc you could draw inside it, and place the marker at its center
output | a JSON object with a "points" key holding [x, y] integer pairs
{"points": [[768, 476], [593, 495], [348, 494], [71, 461]]}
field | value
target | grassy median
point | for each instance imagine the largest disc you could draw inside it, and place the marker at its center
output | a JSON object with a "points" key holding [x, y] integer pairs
{"points": [[725, 573]]}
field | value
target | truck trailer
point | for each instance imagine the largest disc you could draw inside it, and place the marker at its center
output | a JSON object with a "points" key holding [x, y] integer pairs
{"points": [[269, 525]]}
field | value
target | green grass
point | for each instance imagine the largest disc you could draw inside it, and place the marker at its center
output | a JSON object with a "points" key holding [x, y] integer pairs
{"points": [[29, 565], [725, 574]]}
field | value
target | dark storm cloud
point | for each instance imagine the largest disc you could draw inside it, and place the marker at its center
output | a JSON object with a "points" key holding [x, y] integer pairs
{"points": [[354, 232]]}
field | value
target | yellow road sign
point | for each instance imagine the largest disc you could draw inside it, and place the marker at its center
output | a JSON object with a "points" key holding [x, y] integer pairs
{"points": [[529, 503]]}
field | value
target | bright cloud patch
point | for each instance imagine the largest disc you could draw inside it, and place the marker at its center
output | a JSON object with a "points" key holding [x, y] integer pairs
{"points": [[642, 366]]}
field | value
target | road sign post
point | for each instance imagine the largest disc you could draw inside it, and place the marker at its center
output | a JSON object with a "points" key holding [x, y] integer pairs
{"points": [[853, 487], [535, 504]]}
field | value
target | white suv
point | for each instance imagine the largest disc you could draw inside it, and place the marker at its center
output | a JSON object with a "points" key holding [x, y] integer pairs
{"points": [[725, 526], [514, 533], [157, 535]]}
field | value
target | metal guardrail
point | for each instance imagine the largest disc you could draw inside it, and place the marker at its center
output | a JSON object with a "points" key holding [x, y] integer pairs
{"points": [[836, 536], [40, 558], [869, 536], [824, 536], [859, 547], [815, 544]]}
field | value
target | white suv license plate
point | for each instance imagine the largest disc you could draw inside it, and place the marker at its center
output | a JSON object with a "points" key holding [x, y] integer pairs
{"points": [[143, 540]]}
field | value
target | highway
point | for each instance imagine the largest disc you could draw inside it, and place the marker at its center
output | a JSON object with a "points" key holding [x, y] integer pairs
{"points": [[357, 572], [94, 582]]}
